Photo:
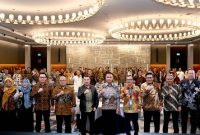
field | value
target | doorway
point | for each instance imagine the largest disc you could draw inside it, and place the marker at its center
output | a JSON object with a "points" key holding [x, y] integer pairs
{"points": [[38, 57], [179, 57]]}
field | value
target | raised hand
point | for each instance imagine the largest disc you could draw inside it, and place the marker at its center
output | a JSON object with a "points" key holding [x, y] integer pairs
{"points": [[40, 90]]}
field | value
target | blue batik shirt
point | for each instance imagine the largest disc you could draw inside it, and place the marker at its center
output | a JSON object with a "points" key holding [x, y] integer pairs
{"points": [[189, 95]]}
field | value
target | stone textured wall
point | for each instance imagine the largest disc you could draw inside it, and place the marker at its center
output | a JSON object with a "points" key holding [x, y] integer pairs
{"points": [[108, 55]]}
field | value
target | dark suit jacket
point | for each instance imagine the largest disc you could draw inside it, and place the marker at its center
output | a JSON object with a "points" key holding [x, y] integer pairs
{"points": [[82, 98]]}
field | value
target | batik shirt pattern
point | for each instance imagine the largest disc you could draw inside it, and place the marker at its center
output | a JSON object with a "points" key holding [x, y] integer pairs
{"points": [[189, 95]]}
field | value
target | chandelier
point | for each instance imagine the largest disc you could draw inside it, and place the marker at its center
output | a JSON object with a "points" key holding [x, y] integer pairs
{"points": [[181, 3], [26, 18], [69, 37], [158, 29]]}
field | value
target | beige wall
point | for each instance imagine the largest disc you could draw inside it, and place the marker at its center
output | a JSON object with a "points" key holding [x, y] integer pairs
{"points": [[158, 54], [11, 53], [92, 56], [57, 58], [197, 53], [108, 55]]}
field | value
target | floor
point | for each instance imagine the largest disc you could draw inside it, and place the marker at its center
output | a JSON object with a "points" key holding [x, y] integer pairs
{"points": [[141, 125]]}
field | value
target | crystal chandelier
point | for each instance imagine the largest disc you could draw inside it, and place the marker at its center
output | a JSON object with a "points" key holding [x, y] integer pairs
{"points": [[69, 37], [181, 3], [157, 29], [26, 18]]}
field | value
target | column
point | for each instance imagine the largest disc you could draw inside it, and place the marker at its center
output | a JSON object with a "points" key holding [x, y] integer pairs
{"points": [[27, 56], [190, 56], [48, 59], [168, 57]]}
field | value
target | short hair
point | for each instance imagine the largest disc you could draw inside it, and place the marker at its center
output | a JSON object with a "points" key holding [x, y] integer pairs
{"points": [[149, 73], [109, 73], [86, 75], [129, 76], [43, 73], [169, 74], [191, 70], [62, 76]]}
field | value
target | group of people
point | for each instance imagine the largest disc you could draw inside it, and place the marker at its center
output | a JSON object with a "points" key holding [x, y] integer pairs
{"points": [[78, 96]]}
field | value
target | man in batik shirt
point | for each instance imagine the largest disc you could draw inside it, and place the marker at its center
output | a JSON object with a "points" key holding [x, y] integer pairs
{"points": [[131, 95], [172, 103], [189, 88], [152, 103]]}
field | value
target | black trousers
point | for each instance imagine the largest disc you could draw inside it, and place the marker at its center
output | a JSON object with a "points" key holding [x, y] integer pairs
{"points": [[193, 119], [109, 125], [78, 121], [131, 117], [84, 116], [67, 119], [46, 115], [175, 116], [147, 120], [198, 119], [8, 121], [25, 120]]}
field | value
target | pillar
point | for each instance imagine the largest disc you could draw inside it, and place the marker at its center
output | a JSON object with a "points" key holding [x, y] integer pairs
{"points": [[27, 56], [190, 56], [168, 57], [48, 59]]}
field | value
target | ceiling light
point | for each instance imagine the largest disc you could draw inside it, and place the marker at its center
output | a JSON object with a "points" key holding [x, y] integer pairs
{"points": [[2, 16], [43, 19], [181, 3], [60, 19], [157, 29], [37, 18], [11, 17], [68, 37]]}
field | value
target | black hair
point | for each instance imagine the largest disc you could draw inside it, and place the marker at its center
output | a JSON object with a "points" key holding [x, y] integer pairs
{"points": [[43, 73], [109, 73], [86, 75], [149, 73]]}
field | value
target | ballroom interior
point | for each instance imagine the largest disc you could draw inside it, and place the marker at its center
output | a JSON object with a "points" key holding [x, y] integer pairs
{"points": [[61, 34], [92, 33]]}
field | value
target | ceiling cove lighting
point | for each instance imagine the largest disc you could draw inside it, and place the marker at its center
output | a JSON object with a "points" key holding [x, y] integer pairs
{"points": [[69, 38], [17, 18], [158, 29], [181, 3]]}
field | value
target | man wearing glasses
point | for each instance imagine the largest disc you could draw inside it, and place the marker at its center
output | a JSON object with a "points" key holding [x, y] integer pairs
{"points": [[190, 91], [152, 103], [172, 103], [65, 101], [42, 95], [131, 95]]}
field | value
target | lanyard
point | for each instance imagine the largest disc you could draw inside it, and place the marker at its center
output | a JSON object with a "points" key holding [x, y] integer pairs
{"points": [[130, 100]]}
